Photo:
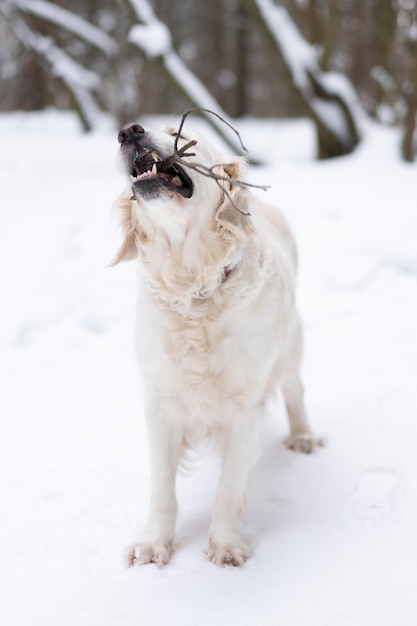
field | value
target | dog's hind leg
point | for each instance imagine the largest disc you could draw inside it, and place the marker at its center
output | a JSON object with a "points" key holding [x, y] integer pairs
{"points": [[301, 437], [165, 434]]}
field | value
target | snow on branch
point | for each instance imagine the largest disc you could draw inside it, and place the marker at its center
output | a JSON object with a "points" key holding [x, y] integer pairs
{"points": [[71, 22], [152, 36], [154, 39], [329, 96], [298, 53], [63, 66], [80, 81]]}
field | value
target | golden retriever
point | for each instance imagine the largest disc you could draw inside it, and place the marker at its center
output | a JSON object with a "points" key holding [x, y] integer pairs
{"points": [[217, 326]]}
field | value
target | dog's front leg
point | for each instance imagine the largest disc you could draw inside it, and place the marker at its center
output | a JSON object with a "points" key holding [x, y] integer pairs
{"points": [[165, 434], [240, 448]]}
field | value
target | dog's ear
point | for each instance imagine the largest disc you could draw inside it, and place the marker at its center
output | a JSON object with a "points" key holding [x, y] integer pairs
{"points": [[228, 216], [235, 169], [128, 250]]}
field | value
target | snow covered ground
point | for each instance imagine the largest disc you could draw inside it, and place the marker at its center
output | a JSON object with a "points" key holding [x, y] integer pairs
{"points": [[334, 534]]}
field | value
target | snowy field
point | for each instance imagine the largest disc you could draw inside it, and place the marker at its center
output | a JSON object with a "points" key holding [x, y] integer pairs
{"points": [[335, 533]]}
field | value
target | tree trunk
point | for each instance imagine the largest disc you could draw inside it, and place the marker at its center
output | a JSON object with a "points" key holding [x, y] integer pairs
{"points": [[311, 22], [409, 142], [329, 33], [241, 68]]}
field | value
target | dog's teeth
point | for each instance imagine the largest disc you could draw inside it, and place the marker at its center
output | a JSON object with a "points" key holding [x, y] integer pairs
{"points": [[154, 169], [155, 155]]}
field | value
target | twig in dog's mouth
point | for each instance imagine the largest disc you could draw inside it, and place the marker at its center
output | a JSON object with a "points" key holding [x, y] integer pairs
{"points": [[179, 154]]}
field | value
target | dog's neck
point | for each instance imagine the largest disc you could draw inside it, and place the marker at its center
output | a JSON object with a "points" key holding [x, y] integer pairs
{"points": [[187, 262], [204, 293]]}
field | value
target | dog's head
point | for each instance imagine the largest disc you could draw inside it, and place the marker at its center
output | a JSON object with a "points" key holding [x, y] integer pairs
{"points": [[173, 189], [145, 156]]}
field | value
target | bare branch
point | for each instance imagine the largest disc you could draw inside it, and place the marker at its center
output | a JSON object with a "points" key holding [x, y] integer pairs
{"points": [[191, 109], [179, 154], [64, 18]]}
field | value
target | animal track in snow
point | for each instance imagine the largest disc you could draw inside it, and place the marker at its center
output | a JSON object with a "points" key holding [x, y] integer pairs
{"points": [[372, 499]]}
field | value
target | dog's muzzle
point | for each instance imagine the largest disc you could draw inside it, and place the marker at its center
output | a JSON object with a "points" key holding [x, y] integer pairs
{"points": [[150, 172]]}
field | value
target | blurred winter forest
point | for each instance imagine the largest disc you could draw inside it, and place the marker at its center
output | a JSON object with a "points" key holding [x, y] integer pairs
{"points": [[338, 61]]}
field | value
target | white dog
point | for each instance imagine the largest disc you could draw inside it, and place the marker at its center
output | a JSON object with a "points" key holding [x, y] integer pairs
{"points": [[217, 327]]}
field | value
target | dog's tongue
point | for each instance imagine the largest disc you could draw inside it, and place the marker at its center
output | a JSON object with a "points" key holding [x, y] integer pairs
{"points": [[174, 180]]}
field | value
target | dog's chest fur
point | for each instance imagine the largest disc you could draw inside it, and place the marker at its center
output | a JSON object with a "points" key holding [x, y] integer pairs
{"points": [[220, 349], [207, 338]]}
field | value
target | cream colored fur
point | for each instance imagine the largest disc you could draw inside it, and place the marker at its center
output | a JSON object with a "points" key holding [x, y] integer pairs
{"points": [[217, 331]]}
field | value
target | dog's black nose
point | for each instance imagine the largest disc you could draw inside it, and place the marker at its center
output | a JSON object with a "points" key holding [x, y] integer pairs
{"points": [[130, 133]]}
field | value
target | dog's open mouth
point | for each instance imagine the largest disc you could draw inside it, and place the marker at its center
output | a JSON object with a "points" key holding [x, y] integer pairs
{"points": [[150, 174]]}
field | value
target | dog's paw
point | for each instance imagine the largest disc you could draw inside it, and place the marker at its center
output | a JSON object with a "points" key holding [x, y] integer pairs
{"points": [[158, 552], [304, 442], [232, 553]]}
